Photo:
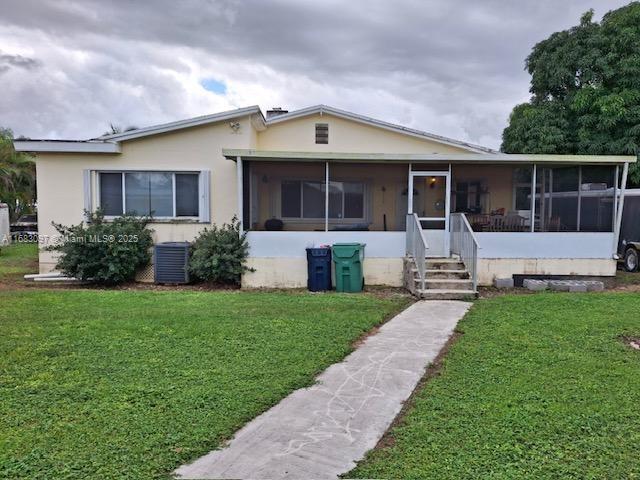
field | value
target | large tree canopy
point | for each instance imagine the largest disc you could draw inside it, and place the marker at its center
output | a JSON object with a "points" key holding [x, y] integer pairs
{"points": [[585, 85]]}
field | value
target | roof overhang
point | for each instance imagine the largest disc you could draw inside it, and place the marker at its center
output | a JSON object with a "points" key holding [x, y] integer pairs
{"points": [[266, 155], [66, 146], [254, 110]]}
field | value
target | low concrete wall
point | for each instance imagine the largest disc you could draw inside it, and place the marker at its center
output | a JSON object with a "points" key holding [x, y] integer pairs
{"points": [[282, 272], [491, 268]]}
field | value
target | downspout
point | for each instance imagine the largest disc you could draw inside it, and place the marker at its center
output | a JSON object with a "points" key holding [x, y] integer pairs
{"points": [[623, 188]]}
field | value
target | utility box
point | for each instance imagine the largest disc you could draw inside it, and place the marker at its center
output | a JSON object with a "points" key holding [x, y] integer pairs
{"points": [[347, 262], [171, 261]]}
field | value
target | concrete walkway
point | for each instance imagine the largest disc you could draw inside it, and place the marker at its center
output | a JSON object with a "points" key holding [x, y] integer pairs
{"points": [[322, 431]]}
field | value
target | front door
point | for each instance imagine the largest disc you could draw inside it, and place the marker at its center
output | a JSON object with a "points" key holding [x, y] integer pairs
{"points": [[430, 200]]}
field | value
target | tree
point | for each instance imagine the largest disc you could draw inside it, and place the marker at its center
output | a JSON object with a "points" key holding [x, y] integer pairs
{"points": [[17, 177], [585, 86]]}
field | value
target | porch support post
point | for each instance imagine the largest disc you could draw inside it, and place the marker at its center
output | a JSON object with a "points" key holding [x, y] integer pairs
{"points": [[326, 196], [616, 182], [447, 210], [240, 193], [579, 212], [410, 192], [533, 198], [623, 188]]}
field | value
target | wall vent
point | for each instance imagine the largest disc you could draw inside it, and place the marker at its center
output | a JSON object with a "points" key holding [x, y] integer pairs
{"points": [[171, 262], [322, 133]]}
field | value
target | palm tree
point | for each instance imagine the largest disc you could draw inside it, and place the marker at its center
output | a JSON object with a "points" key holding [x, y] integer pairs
{"points": [[17, 177]]}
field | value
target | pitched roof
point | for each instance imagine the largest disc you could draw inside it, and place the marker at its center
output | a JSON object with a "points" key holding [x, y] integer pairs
{"points": [[320, 109], [180, 124], [111, 140]]}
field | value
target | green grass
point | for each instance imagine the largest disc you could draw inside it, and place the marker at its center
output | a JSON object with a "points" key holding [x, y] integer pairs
{"points": [[18, 259], [120, 384], [538, 386], [624, 278]]}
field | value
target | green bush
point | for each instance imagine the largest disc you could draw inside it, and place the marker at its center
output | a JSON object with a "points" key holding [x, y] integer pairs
{"points": [[219, 254], [101, 252]]}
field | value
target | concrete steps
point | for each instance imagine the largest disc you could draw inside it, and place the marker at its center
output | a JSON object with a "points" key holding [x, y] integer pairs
{"points": [[446, 279]]}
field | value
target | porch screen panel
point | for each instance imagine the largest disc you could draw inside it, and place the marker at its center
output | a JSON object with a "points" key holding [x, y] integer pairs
{"points": [[562, 200], [596, 199], [313, 200], [290, 197], [367, 196]]}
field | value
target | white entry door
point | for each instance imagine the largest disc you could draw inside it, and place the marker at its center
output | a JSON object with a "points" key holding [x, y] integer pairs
{"points": [[430, 200]]}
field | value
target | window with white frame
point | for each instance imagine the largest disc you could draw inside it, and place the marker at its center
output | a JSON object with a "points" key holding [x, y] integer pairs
{"points": [[305, 199], [160, 194]]}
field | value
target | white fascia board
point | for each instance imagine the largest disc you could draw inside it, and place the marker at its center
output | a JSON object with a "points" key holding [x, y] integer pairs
{"points": [[376, 123], [62, 146], [180, 124], [265, 155]]}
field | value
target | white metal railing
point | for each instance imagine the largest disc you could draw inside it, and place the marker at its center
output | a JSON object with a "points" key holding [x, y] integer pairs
{"points": [[465, 244], [417, 246]]}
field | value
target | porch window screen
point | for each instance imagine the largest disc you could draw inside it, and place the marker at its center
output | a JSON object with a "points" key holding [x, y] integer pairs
{"points": [[161, 194], [596, 199], [522, 188], [570, 199], [306, 199]]}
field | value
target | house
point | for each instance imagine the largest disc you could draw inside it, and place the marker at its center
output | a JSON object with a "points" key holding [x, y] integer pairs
{"points": [[328, 175]]}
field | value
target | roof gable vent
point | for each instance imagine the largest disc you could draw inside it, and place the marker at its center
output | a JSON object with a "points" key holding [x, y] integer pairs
{"points": [[322, 133]]}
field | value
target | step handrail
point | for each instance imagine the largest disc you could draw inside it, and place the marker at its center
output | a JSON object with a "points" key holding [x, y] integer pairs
{"points": [[465, 244], [417, 246]]}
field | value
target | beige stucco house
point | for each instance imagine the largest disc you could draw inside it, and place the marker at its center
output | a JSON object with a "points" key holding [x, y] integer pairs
{"points": [[334, 176]]}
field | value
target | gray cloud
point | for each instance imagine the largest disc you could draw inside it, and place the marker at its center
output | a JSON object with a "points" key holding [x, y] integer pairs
{"points": [[451, 67], [17, 61]]}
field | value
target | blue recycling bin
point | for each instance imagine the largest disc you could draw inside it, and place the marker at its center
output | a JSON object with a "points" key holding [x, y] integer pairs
{"points": [[318, 269]]}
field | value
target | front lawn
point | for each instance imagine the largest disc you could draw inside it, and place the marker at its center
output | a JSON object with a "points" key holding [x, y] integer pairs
{"points": [[17, 260], [538, 386], [121, 384]]}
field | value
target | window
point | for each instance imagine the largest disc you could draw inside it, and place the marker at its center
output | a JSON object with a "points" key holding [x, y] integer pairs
{"points": [[322, 133], [467, 196], [161, 194], [306, 199]]}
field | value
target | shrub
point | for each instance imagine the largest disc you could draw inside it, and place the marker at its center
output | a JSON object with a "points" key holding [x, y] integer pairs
{"points": [[219, 254], [102, 252]]}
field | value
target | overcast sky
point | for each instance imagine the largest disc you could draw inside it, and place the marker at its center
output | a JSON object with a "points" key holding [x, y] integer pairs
{"points": [[451, 67]]}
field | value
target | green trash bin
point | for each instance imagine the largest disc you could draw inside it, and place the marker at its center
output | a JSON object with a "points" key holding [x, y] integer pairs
{"points": [[347, 266]]}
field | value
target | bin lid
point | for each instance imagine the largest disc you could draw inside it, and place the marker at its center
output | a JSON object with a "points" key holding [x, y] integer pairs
{"points": [[346, 250]]}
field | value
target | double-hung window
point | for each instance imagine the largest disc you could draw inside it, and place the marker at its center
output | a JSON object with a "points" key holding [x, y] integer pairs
{"points": [[160, 194], [305, 199]]}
